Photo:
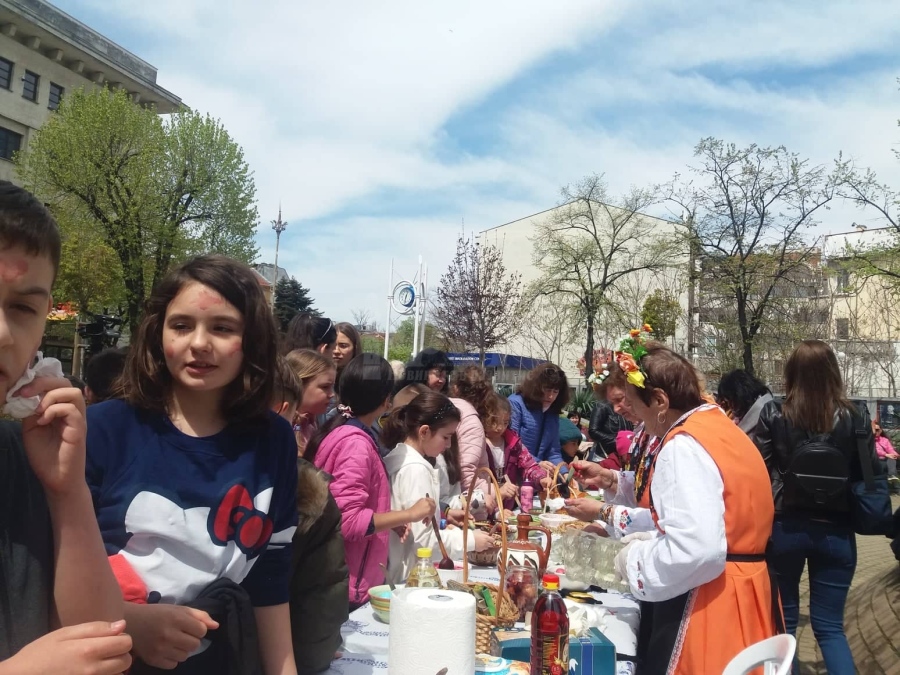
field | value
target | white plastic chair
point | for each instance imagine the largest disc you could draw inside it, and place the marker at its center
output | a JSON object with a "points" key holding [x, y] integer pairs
{"points": [[775, 653]]}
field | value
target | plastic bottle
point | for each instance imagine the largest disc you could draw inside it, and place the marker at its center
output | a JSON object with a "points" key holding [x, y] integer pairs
{"points": [[423, 574], [526, 496], [550, 631]]}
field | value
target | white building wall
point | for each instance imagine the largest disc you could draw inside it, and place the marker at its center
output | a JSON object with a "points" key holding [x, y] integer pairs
{"points": [[516, 239]]}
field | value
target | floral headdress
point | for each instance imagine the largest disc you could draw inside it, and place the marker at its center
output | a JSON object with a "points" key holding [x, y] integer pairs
{"points": [[631, 350], [600, 364]]}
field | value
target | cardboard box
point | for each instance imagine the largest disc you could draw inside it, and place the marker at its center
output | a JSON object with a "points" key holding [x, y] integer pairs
{"points": [[593, 654], [512, 643]]}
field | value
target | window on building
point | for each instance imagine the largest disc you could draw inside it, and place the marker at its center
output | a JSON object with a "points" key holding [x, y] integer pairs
{"points": [[30, 85], [6, 71], [843, 281], [842, 329], [10, 142], [56, 94]]}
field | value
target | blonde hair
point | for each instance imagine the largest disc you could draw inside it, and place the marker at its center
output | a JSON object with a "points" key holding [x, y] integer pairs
{"points": [[308, 364]]}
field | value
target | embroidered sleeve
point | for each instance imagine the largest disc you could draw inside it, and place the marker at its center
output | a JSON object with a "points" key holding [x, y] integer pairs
{"points": [[688, 494]]}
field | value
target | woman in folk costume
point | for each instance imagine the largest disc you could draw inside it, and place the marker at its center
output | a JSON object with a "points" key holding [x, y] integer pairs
{"points": [[701, 575]]}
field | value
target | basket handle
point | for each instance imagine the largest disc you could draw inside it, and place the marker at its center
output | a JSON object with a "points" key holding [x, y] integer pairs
{"points": [[501, 558]]}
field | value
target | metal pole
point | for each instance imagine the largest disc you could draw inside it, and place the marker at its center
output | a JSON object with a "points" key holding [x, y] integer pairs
{"points": [[279, 227], [387, 325], [416, 307], [424, 306]]}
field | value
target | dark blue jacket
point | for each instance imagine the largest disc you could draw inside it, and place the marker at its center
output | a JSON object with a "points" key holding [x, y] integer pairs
{"points": [[538, 430]]}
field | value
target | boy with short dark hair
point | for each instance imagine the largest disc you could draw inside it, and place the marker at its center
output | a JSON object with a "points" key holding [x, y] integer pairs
{"points": [[53, 567]]}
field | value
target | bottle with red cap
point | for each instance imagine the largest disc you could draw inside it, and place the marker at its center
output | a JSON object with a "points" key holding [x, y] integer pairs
{"points": [[550, 631]]}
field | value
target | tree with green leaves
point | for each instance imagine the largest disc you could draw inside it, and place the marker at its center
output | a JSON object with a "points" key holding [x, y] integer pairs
{"points": [[746, 214], [291, 299], [590, 246], [89, 271], [401, 346], [662, 312], [158, 191]]}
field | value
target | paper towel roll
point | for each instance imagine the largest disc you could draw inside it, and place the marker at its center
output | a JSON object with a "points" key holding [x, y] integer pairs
{"points": [[431, 629]]}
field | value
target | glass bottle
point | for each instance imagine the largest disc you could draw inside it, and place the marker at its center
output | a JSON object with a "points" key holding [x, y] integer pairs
{"points": [[550, 631], [423, 574]]}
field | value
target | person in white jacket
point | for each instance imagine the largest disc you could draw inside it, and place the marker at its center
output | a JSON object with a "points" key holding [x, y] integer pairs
{"points": [[419, 430]]}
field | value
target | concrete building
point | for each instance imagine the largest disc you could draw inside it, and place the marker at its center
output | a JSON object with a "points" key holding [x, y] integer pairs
{"points": [[548, 334], [865, 325], [45, 53], [267, 271]]}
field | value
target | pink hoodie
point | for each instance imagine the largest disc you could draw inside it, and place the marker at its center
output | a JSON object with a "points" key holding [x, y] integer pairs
{"points": [[361, 489]]}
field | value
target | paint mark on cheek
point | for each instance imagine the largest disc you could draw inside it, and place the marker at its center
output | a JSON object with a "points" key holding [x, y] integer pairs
{"points": [[235, 349], [207, 299], [12, 269], [170, 352]]}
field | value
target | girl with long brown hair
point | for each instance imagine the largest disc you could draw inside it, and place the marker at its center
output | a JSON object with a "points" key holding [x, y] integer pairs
{"points": [[816, 427]]}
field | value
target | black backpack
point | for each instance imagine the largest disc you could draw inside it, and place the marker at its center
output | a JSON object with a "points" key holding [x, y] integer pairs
{"points": [[817, 477]]}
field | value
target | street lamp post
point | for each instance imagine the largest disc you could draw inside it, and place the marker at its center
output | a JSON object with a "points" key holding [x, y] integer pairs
{"points": [[279, 226]]}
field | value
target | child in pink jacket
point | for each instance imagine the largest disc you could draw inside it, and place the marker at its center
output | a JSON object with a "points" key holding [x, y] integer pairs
{"points": [[347, 450]]}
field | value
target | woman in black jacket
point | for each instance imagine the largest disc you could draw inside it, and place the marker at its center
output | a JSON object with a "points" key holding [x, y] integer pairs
{"points": [[810, 448]]}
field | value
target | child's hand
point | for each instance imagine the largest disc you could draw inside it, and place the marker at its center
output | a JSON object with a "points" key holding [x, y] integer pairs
{"points": [[97, 648], [549, 467], [456, 517], [422, 510], [483, 540], [166, 635], [402, 531], [509, 490], [54, 436]]}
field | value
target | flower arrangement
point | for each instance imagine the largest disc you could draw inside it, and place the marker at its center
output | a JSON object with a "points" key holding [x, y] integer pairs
{"points": [[64, 311], [631, 350], [599, 366]]}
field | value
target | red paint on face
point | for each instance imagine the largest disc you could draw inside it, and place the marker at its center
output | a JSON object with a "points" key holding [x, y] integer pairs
{"points": [[170, 352], [207, 298], [12, 269]]}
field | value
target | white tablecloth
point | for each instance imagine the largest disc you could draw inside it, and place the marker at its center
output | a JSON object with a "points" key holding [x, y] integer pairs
{"points": [[366, 637]]}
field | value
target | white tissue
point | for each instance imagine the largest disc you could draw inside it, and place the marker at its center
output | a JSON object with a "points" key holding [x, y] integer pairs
{"points": [[431, 629], [19, 407]]}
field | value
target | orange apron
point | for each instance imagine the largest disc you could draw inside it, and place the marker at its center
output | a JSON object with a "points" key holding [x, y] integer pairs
{"points": [[735, 610]]}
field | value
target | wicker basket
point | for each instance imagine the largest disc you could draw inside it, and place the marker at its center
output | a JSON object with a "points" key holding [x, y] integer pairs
{"points": [[507, 612], [553, 491]]}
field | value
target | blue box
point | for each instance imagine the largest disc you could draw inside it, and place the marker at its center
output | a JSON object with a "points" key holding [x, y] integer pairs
{"points": [[594, 654]]}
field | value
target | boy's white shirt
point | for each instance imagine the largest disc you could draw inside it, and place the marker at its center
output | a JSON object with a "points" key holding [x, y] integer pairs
{"points": [[412, 477]]}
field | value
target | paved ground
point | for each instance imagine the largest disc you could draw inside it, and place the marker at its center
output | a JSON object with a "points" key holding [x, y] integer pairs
{"points": [[872, 616]]}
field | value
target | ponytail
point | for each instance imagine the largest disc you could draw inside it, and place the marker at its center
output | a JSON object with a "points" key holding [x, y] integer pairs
{"points": [[430, 409]]}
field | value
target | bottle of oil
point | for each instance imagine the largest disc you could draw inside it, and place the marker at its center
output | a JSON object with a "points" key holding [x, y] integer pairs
{"points": [[423, 574], [550, 631]]}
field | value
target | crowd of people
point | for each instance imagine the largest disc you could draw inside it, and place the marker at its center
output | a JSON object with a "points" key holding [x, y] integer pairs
{"points": [[242, 490]]}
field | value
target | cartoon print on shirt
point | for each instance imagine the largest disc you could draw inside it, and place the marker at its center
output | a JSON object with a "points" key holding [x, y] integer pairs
{"points": [[238, 520], [179, 551]]}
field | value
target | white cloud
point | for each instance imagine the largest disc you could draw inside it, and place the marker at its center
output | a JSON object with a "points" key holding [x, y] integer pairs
{"points": [[339, 104]]}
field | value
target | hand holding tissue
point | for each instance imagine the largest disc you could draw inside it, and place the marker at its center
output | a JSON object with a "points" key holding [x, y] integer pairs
{"points": [[22, 407]]}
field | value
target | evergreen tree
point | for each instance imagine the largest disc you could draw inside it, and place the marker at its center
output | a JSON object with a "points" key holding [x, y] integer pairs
{"points": [[291, 299]]}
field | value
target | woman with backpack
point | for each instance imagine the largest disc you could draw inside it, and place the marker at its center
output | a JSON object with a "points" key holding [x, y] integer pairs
{"points": [[810, 446]]}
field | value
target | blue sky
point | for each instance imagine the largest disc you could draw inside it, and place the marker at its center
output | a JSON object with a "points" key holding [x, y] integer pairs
{"points": [[382, 126]]}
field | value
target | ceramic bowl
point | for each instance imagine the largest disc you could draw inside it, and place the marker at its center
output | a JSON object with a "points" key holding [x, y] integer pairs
{"points": [[380, 599], [485, 558]]}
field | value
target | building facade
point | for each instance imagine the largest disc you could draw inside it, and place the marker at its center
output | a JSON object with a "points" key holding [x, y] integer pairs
{"points": [[552, 329], [45, 53]]}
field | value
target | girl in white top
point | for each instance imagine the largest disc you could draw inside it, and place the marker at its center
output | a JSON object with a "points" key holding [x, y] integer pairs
{"points": [[419, 430]]}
